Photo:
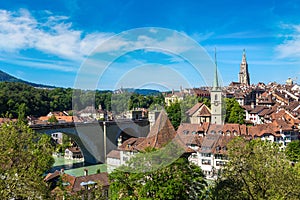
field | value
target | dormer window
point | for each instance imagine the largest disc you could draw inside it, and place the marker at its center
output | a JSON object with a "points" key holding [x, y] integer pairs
{"points": [[185, 132]]}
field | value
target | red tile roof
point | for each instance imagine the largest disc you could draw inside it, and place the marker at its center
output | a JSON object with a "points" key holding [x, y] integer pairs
{"points": [[114, 154], [188, 133], [74, 183], [162, 132]]}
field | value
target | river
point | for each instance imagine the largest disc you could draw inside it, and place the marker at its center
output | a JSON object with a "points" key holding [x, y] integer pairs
{"points": [[76, 167]]}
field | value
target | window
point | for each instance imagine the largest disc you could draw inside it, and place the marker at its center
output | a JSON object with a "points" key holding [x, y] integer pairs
{"points": [[219, 156], [216, 97], [220, 163], [206, 162], [206, 154]]}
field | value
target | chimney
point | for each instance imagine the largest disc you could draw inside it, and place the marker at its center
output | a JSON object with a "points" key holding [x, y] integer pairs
{"points": [[120, 141], [86, 172]]}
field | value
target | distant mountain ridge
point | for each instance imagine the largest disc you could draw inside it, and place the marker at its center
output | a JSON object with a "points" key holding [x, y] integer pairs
{"points": [[5, 77]]}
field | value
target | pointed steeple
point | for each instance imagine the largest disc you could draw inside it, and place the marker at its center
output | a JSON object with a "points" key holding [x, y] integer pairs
{"points": [[216, 79], [244, 60], [216, 98], [244, 77]]}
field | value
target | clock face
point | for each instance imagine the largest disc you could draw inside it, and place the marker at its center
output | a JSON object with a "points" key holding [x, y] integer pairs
{"points": [[216, 103]]}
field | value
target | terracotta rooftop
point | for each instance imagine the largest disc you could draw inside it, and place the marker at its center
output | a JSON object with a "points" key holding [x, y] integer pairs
{"points": [[130, 144], [188, 133], [114, 154], [74, 149], [204, 111], [209, 143], [53, 175], [257, 109], [75, 182], [221, 145], [161, 133]]}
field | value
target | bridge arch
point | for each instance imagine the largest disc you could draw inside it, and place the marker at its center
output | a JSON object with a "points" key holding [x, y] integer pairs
{"points": [[98, 138]]}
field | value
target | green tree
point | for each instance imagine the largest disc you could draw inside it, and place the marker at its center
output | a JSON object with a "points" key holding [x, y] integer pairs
{"points": [[174, 114], [21, 112], [24, 158], [234, 112], [257, 170], [292, 151], [149, 175]]}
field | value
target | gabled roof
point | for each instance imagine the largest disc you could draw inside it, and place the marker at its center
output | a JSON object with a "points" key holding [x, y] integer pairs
{"points": [[130, 144], [75, 182], [204, 111], [196, 107], [257, 109], [209, 143], [161, 133], [263, 129], [114, 154], [51, 176], [188, 133], [221, 145]]}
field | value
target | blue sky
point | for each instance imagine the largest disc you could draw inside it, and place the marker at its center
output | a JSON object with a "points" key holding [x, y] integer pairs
{"points": [[49, 42]]}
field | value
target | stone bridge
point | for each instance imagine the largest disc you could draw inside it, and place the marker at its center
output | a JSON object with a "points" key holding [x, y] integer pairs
{"points": [[96, 139]]}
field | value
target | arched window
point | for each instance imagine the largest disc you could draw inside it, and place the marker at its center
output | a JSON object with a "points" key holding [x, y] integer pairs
{"points": [[216, 97]]}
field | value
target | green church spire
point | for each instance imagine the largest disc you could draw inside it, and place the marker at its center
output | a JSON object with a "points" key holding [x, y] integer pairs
{"points": [[216, 80]]}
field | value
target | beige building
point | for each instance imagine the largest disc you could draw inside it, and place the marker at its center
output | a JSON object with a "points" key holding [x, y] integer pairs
{"points": [[199, 113]]}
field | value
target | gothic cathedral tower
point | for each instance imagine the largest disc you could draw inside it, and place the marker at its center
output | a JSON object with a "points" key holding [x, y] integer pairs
{"points": [[244, 74], [216, 100]]}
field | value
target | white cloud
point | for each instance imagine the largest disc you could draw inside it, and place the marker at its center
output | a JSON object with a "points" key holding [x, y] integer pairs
{"points": [[20, 30], [55, 36], [290, 48]]}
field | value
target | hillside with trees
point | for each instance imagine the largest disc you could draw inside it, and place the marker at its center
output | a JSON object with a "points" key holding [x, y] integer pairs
{"points": [[39, 101]]}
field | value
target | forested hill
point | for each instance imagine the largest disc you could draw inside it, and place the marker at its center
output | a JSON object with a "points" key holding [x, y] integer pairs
{"points": [[5, 77], [38, 101]]}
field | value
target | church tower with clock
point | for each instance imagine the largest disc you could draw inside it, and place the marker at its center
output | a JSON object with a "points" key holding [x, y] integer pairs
{"points": [[217, 116]]}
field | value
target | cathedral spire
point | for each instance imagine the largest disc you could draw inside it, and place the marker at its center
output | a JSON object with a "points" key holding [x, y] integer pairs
{"points": [[244, 60], [244, 77]]}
